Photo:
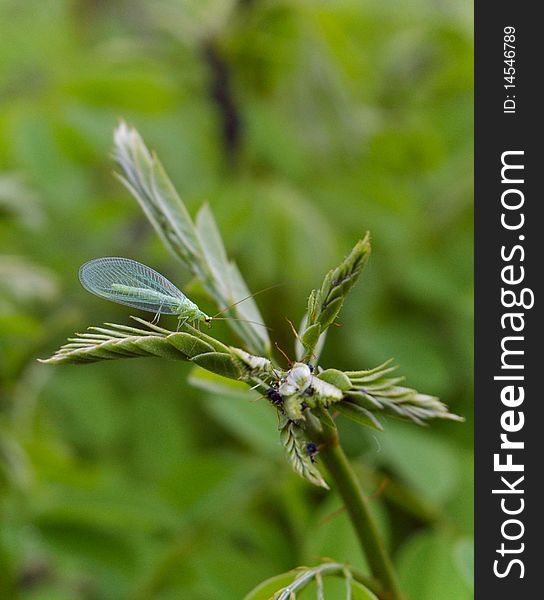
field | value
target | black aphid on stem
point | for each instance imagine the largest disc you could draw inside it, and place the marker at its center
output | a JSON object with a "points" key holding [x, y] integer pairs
{"points": [[312, 450], [274, 396]]}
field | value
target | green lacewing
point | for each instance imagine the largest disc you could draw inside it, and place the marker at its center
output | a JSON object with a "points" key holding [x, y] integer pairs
{"points": [[129, 282]]}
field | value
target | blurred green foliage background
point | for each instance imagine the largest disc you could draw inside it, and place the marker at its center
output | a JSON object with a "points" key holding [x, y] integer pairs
{"points": [[303, 123]]}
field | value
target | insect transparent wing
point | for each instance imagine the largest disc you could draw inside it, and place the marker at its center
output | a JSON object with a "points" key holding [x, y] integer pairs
{"points": [[97, 276]]}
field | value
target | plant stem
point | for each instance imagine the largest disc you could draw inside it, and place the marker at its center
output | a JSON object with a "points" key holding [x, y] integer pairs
{"points": [[341, 472]]}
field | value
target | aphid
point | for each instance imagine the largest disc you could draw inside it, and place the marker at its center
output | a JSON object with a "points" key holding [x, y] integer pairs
{"points": [[274, 396], [312, 450]]}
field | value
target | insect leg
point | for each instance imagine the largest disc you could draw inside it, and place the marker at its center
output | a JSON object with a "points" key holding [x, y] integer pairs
{"points": [[157, 314]]}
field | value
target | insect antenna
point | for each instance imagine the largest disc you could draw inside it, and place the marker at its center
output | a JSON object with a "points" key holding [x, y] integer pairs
{"points": [[271, 287], [295, 333], [242, 320], [289, 361]]}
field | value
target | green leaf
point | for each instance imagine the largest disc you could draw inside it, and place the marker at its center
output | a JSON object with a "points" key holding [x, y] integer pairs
{"points": [[211, 382], [247, 310], [156, 346], [325, 304], [145, 178], [311, 335], [368, 375], [336, 378], [294, 441], [464, 559], [372, 390], [214, 343], [188, 344], [122, 341], [358, 414], [309, 338], [266, 589], [333, 534], [360, 592], [330, 311], [218, 362], [119, 341], [230, 283], [427, 462], [199, 247], [252, 423], [295, 583], [427, 569], [213, 248]]}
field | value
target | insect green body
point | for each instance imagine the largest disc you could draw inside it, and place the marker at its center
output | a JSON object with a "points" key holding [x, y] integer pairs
{"points": [[129, 282]]}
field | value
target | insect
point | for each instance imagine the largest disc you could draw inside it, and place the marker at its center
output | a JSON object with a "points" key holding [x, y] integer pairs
{"points": [[129, 282], [274, 396], [312, 450]]}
